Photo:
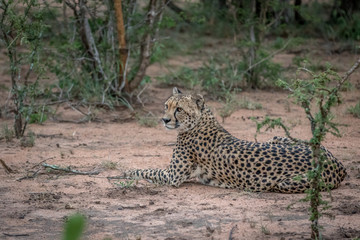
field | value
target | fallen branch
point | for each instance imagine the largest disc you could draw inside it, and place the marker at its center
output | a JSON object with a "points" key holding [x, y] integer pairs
{"points": [[69, 170], [6, 167], [231, 232], [16, 234], [39, 163], [29, 176]]}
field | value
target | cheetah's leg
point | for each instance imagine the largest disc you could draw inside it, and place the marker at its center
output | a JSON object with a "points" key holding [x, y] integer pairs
{"points": [[290, 185]]}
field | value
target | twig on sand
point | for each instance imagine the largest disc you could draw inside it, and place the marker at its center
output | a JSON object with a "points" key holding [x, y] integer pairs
{"points": [[55, 167], [39, 163], [6, 167], [29, 176], [231, 232], [16, 234], [34, 174], [69, 170]]}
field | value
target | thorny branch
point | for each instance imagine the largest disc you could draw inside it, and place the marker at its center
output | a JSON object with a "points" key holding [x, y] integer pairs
{"points": [[6, 167], [348, 73]]}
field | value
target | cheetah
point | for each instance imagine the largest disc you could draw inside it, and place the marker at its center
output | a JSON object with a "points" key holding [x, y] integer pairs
{"points": [[206, 151]]}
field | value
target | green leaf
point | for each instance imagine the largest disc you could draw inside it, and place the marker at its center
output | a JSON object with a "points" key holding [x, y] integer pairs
{"points": [[74, 227]]}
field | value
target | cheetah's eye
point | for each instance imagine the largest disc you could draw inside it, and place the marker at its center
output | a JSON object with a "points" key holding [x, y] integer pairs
{"points": [[179, 109]]}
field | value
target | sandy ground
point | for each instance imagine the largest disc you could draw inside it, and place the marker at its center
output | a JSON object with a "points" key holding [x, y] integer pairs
{"points": [[37, 207]]}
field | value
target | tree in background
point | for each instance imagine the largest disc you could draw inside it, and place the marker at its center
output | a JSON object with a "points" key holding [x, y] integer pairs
{"points": [[21, 32], [110, 50], [123, 51]]}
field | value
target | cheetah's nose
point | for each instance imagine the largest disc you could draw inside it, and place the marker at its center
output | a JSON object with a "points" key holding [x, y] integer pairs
{"points": [[166, 120]]}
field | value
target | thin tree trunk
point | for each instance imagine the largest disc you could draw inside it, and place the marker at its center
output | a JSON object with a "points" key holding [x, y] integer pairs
{"points": [[123, 50], [252, 76], [315, 196], [145, 46], [90, 40]]}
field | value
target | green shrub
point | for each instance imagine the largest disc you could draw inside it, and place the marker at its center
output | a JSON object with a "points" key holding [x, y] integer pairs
{"points": [[21, 31], [147, 120], [232, 104], [28, 140], [355, 110], [7, 133], [185, 77]]}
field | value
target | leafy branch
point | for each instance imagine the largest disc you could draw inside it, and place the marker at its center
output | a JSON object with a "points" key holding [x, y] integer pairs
{"points": [[317, 88]]}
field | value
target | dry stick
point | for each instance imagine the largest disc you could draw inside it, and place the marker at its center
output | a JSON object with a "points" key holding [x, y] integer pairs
{"points": [[69, 170], [29, 176], [39, 163], [6, 167], [16, 234], [34, 173], [231, 232], [349, 72]]}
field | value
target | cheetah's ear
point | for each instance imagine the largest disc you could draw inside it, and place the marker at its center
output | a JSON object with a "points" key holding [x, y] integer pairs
{"points": [[200, 102], [176, 91]]}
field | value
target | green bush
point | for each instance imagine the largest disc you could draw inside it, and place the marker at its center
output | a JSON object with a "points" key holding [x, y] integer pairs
{"points": [[7, 133], [355, 110], [223, 74], [185, 77], [21, 31]]}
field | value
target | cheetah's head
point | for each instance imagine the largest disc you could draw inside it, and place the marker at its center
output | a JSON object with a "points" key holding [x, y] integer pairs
{"points": [[182, 112]]}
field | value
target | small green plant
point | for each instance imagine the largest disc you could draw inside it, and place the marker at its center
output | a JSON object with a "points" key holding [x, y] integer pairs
{"points": [[39, 115], [125, 184], [355, 110], [109, 165], [28, 140], [314, 66], [184, 77], [74, 227], [7, 133], [318, 89], [147, 120], [232, 104], [229, 107], [245, 103]]}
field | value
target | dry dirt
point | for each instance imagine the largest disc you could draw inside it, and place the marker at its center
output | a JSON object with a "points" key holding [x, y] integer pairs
{"points": [[37, 207]]}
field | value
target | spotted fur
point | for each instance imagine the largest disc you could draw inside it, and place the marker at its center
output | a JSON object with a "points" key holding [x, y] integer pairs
{"points": [[205, 150]]}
